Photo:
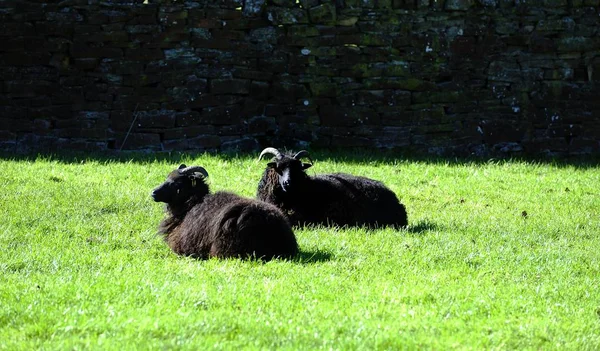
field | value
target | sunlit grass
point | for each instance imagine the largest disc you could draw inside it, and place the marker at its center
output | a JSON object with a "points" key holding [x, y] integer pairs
{"points": [[497, 255]]}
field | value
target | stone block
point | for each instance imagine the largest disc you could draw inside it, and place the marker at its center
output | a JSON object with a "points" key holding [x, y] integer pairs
{"points": [[555, 3], [577, 44], [83, 50], [243, 144], [230, 86], [409, 84], [286, 16], [262, 125], [143, 29], [324, 13], [86, 64], [15, 125], [137, 141], [173, 18], [323, 88], [144, 54], [308, 3], [203, 142], [351, 141], [155, 119], [458, 5], [337, 116], [392, 137], [384, 4], [24, 59], [260, 90], [6, 136], [287, 91], [284, 3], [253, 8], [221, 115]]}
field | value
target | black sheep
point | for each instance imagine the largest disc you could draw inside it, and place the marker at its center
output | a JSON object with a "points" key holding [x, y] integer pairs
{"points": [[203, 225], [329, 199]]}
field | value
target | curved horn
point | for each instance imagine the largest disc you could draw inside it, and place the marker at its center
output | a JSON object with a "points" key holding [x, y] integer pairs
{"points": [[194, 169], [301, 154], [270, 151]]}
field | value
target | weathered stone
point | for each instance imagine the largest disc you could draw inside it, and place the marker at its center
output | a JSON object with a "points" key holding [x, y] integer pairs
{"points": [[540, 44], [142, 29], [308, 3], [338, 116], [200, 75], [555, 3], [323, 88], [437, 97], [259, 90], [157, 119], [346, 21], [203, 142], [303, 31], [262, 125], [410, 84], [459, 5], [290, 91], [253, 7], [488, 3], [324, 13], [173, 18], [144, 54], [244, 144], [221, 115], [138, 141], [229, 86], [569, 44], [283, 16], [285, 3]]}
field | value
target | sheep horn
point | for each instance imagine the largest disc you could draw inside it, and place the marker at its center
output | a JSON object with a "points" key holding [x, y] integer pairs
{"points": [[194, 169], [301, 154], [270, 150]]}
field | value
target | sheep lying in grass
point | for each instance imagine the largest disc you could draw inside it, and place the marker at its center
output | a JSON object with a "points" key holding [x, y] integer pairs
{"points": [[203, 225], [329, 199]]}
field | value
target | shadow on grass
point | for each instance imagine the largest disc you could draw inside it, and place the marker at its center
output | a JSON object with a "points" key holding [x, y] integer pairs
{"points": [[422, 227], [310, 257], [353, 156]]}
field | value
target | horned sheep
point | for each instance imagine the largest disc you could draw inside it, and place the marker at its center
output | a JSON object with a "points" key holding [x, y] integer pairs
{"points": [[223, 225], [328, 199]]}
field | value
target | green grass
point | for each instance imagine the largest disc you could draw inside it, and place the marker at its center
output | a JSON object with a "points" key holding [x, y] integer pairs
{"points": [[498, 255]]}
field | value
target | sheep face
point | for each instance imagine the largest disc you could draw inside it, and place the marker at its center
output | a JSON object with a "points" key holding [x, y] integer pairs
{"points": [[182, 184], [289, 168], [290, 171]]}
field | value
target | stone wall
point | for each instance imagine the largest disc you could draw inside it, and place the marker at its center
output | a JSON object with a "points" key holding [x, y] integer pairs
{"points": [[434, 76]]}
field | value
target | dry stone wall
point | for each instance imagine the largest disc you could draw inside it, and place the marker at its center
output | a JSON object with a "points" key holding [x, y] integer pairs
{"points": [[435, 76]]}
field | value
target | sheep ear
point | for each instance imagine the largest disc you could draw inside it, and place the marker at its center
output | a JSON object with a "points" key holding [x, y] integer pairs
{"points": [[306, 165], [272, 164], [181, 166]]}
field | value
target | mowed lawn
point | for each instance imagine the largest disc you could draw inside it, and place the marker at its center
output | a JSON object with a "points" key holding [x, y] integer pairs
{"points": [[498, 255]]}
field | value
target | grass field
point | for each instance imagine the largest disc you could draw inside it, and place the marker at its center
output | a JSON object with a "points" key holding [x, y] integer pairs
{"points": [[498, 255]]}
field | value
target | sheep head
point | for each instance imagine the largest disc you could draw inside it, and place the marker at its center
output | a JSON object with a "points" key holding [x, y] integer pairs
{"points": [[181, 184], [288, 167]]}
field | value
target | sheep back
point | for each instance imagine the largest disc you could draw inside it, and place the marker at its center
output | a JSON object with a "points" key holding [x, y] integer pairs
{"points": [[227, 225], [345, 200]]}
